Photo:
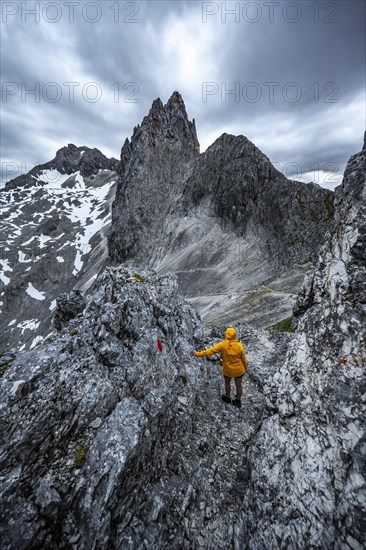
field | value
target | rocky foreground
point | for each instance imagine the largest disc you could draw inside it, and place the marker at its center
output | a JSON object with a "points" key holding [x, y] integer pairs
{"points": [[109, 443]]}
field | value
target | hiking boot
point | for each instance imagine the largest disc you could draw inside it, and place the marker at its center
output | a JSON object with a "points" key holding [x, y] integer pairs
{"points": [[225, 398], [236, 402]]}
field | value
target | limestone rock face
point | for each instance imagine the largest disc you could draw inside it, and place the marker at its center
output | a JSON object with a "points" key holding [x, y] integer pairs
{"points": [[225, 221], [69, 306], [107, 442], [287, 219], [308, 460]]}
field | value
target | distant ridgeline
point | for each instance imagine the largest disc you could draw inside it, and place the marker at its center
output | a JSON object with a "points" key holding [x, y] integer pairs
{"points": [[53, 225]]}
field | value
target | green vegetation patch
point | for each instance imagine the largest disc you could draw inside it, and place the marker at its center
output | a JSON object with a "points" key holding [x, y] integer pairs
{"points": [[283, 326], [292, 240], [6, 365], [80, 457], [139, 278], [73, 332]]}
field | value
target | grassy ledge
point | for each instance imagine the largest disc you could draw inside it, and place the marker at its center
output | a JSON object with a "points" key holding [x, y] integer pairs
{"points": [[283, 326]]}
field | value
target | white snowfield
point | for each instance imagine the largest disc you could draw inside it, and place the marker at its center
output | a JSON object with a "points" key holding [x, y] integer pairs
{"points": [[30, 324], [22, 257], [52, 178], [34, 293]]}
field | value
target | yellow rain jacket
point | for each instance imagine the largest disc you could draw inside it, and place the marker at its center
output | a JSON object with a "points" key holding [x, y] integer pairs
{"points": [[234, 361]]}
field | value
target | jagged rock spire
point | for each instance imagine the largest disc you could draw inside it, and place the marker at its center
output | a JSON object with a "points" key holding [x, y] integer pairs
{"points": [[153, 170], [162, 174], [168, 126]]}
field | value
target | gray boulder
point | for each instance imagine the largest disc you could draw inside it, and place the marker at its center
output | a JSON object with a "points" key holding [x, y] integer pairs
{"points": [[68, 307]]}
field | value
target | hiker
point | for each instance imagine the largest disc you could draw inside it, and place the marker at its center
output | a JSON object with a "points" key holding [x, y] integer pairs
{"points": [[234, 364]]}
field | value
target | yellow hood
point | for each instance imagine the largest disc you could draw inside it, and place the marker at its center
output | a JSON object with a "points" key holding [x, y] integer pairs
{"points": [[230, 334]]}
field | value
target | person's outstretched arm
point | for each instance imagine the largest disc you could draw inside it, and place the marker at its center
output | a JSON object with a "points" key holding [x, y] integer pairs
{"points": [[209, 351]]}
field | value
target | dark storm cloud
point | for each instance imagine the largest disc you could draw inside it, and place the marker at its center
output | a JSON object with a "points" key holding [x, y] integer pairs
{"points": [[307, 73], [293, 65], [156, 47]]}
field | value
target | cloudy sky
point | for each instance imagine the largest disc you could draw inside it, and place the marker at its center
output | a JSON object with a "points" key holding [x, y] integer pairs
{"points": [[288, 75]]}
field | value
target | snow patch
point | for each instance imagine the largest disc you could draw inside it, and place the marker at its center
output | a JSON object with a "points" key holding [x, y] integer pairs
{"points": [[35, 341], [4, 279], [21, 257], [30, 324], [34, 293], [53, 305], [53, 178], [29, 240], [43, 239], [5, 267], [80, 214]]}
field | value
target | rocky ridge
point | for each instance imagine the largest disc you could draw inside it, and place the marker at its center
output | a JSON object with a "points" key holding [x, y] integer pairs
{"points": [[68, 161], [308, 477], [109, 443]]}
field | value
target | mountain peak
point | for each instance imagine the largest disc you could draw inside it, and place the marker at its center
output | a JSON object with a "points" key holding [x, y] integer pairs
{"points": [[154, 166], [68, 160], [157, 105], [89, 161], [71, 147], [176, 100], [167, 126]]}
